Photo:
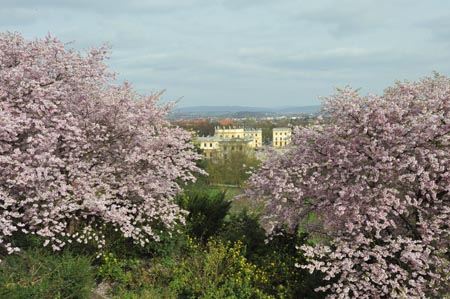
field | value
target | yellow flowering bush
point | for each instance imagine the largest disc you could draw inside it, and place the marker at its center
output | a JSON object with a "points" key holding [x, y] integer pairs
{"points": [[218, 271]]}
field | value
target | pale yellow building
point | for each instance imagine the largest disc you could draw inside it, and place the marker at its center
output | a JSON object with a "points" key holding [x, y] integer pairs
{"points": [[228, 140], [281, 137], [228, 146], [254, 134], [229, 132], [209, 145], [218, 148]]}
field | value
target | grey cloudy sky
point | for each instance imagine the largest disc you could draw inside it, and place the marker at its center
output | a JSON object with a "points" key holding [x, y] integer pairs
{"points": [[249, 52]]}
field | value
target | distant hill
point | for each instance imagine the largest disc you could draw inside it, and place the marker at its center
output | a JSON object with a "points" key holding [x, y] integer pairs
{"points": [[300, 109], [221, 109], [236, 111]]}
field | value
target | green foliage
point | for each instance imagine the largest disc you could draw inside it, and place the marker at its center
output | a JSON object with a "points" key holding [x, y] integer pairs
{"points": [[111, 268], [123, 273], [218, 271], [37, 273], [234, 170], [245, 228], [150, 280], [276, 255], [207, 210], [25, 241], [281, 261], [218, 254], [206, 128], [169, 242], [215, 270]]}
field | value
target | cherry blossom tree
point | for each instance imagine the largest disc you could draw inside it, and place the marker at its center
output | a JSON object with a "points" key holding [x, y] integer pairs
{"points": [[375, 170], [78, 153]]}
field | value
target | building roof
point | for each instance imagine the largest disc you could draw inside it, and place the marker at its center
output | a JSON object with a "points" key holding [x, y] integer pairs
{"points": [[219, 139], [281, 129], [226, 122], [252, 130], [241, 139], [238, 128]]}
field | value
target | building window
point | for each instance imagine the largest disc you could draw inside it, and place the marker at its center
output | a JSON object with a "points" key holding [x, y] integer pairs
{"points": [[204, 144], [210, 145], [232, 148], [276, 143], [224, 148]]}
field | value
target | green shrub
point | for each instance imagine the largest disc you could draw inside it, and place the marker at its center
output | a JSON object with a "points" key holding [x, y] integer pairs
{"points": [[218, 271], [123, 274], [280, 261], [150, 281], [207, 211], [277, 255], [245, 227], [37, 273], [168, 243], [212, 271]]}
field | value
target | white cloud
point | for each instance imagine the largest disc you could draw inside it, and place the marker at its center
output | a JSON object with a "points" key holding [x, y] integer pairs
{"points": [[249, 50]]}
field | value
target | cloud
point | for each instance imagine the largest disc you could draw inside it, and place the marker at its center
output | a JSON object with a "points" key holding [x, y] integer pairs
{"points": [[250, 50], [17, 16], [107, 6], [247, 4], [342, 18], [309, 61], [438, 28]]}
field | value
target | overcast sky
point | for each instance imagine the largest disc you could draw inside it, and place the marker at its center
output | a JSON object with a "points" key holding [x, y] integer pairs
{"points": [[249, 52]]}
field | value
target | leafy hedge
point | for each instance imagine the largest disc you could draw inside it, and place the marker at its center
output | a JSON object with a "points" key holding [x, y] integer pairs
{"points": [[37, 273]]}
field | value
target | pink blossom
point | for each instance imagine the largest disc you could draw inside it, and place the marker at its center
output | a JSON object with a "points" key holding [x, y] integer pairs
{"points": [[78, 152], [376, 172]]}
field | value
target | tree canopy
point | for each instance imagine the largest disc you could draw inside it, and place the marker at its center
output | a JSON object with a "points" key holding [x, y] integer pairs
{"points": [[376, 172], [78, 153]]}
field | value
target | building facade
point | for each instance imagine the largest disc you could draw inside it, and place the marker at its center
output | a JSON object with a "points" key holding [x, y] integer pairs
{"points": [[209, 145], [220, 148], [281, 137], [256, 135], [245, 133], [228, 140]]}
